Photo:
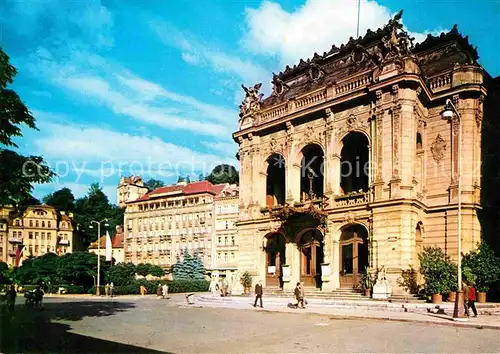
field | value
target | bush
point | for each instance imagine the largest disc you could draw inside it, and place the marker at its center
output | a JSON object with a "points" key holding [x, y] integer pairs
{"points": [[174, 286], [408, 280], [484, 266], [439, 271]]}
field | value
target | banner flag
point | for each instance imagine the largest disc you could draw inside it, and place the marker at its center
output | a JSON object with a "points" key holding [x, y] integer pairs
{"points": [[109, 247]]}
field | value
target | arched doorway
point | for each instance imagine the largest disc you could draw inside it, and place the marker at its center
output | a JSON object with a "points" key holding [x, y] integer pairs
{"points": [[353, 254], [354, 167], [275, 258], [275, 180], [311, 172], [311, 256]]}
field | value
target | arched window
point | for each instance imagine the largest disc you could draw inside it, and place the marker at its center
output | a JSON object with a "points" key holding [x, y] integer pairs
{"points": [[275, 180], [311, 172], [354, 161]]}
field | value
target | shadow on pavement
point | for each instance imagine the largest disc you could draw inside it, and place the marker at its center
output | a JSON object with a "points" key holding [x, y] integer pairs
{"points": [[34, 331]]}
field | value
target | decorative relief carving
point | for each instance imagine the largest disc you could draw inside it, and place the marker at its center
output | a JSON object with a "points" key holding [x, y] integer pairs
{"points": [[479, 111], [350, 217], [395, 138], [316, 73], [353, 123], [378, 94], [279, 87], [397, 42], [378, 126], [395, 90], [438, 148]]}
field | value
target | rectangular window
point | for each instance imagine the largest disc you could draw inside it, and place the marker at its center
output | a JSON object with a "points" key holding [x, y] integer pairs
{"points": [[37, 223], [48, 235], [43, 235], [43, 223], [31, 223], [36, 235], [49, 224], [36, 248], [30, 235]]}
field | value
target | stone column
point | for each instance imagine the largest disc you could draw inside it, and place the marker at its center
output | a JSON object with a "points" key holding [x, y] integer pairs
{"points": [[293, 261]]}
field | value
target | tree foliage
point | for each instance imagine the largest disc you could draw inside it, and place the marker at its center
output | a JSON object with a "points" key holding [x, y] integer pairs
{"points": [[191, 267], [224, 174], [95, 206], [439, 271], [153, 184], [484, 267], [62, 200], [18, 172], [121, 274]]}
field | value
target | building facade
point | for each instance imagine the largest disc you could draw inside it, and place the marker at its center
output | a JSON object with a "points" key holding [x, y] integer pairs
{"points": [[130, 189], [39, 230], [226, 210], [348, 164], [162, 223]]}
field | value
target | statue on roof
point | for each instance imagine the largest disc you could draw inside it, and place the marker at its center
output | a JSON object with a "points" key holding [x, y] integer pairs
{"points": [[251, 103], [397, 42]]}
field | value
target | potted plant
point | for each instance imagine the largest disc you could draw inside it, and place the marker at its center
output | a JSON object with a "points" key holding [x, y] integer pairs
{"points": [[485, 266], [438, 271], [366, 282], [246, 281]]}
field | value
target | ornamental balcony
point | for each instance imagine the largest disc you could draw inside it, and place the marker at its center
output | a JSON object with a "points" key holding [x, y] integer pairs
{"points": [[15, 240], [11, 253], [351, 199]]}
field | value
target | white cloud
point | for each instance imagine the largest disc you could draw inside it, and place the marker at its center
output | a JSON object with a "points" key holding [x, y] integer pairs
{"points": [[106, 153], [314, 27], [194, 52], [115, 87], [227, 149]]}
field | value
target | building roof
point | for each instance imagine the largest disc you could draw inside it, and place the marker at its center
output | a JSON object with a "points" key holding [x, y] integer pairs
{"points": [[183, 189], [116, 241]]}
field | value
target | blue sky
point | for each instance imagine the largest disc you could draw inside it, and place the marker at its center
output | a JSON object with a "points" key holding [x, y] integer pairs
{"points": [[152, 87]]}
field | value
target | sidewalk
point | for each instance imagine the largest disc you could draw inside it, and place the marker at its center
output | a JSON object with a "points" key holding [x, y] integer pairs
{"points": [[489, 314]]}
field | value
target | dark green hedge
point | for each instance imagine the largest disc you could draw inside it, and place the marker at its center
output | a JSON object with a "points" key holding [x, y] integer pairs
{"points": [[174, 286]]}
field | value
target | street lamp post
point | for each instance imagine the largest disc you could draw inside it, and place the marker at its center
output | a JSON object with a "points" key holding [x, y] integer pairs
{"points": [[98, 223], [450, 112]]}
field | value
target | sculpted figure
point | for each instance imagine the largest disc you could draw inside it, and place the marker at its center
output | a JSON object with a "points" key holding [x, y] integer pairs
{"points": [[251, 103]]}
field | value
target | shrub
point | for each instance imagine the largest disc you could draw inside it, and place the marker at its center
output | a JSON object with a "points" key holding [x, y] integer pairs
{"points": [[439, 271], [246, 279], [408, 280], [484, 265]]}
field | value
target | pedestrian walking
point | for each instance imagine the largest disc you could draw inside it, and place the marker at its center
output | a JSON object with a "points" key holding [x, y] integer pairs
{"points": [[258, 294], [143, 290], [111, 287], [214, 287], [11, 298], [298, 296], [224, 286], [106, 289], [470, 299], [159, 291], [164, 289]]}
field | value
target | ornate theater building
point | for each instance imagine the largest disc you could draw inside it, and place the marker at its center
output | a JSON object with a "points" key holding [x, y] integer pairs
{"points": [[350, 163]]}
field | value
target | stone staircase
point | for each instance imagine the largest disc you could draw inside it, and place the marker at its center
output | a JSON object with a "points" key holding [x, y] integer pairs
{"points": [[310, 292], [338, 294]]}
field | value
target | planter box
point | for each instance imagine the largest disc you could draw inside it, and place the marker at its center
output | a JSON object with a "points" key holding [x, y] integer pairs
{"points": [[452, 296], [481, 297], [437, 299]]}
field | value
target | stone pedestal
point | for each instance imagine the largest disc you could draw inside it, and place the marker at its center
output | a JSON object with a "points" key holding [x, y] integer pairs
{"points": [[382, 289], [326, 279]]}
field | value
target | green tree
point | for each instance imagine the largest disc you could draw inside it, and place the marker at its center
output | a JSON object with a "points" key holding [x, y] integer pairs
{"points": [[80, 268], [484, 266], [121, 274], [439, 271], [95, 206], [18, 172], [224, 174], [62, 200], [143, 269], [191, 267], [153, 184], [156, 271]]}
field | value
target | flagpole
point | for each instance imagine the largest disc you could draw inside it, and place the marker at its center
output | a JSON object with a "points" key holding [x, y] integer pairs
{"points": [[357, 28], [98, 290]]}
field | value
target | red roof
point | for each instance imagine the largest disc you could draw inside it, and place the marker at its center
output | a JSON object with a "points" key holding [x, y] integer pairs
{"points": [[116, 241], [188, 189]]}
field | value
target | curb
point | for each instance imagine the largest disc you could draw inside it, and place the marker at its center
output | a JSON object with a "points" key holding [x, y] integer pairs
{"points": [[450, 323]]}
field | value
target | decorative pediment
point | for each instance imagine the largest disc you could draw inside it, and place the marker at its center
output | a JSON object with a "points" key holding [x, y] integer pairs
{"points": [[279, 86]]}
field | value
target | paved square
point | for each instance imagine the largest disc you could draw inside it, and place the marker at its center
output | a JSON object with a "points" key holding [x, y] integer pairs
{"points": [[134, 324]]}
